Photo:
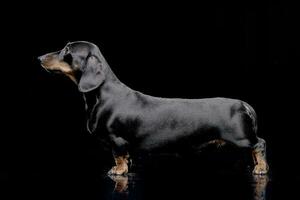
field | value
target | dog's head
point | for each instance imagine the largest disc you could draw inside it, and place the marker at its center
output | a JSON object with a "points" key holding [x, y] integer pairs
{"points": [[81, 61]]}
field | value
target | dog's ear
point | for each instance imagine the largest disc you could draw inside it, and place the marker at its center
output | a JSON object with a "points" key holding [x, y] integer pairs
{"points": [[92, 75]]}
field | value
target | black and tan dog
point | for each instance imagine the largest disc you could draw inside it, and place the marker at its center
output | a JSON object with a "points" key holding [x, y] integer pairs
{"points": [[133, 120]]}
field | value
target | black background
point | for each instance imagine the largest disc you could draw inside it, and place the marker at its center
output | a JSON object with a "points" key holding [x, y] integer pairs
{"points": [[245, 51]]}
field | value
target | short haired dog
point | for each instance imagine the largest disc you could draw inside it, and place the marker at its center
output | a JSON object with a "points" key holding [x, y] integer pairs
{"points": [[133, 120]]}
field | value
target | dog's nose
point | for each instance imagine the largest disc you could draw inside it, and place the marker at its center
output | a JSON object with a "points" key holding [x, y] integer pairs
{"points": [[41, 58]]}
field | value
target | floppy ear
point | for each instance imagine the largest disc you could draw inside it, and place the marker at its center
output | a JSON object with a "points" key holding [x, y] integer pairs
{"points": [[92, 76]]}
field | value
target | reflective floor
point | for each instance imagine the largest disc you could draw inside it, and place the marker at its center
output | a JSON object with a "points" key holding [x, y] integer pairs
{"points": [[130, 187], [135, 186], [152, 183]]}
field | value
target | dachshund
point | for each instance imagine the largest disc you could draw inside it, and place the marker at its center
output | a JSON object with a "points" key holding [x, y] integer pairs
{"points": [[133, 121]]}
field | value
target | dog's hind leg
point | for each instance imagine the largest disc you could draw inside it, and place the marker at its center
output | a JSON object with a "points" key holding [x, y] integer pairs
{"points": [[259, 157], [258, 145]]}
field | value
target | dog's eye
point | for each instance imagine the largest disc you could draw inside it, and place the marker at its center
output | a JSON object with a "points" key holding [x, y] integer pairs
{"points": [[66, 50], [68, 59]]}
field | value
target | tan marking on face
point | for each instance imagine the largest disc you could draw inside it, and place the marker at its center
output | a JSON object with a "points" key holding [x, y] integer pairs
{"points": [[72, 77], [52, 63]]}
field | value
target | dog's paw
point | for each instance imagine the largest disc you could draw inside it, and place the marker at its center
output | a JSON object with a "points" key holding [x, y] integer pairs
{"points": [[118, 170], [260, 169]]}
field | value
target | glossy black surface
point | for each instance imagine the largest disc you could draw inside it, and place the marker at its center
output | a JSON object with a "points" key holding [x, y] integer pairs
{"points": [[159, 185]]}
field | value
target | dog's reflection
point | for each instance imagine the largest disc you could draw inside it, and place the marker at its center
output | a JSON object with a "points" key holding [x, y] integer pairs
{"points": [[121, 191], [260, 186], [121, 183]]}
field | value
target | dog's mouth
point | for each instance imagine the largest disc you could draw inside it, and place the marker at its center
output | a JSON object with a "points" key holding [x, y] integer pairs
{"points": [[60, 69], [45, 68], [55, 66], [54, 70]]}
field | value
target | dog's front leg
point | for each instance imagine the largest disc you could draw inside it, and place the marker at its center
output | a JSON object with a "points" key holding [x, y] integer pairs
{"points": [[120, 154], [121, 166]]}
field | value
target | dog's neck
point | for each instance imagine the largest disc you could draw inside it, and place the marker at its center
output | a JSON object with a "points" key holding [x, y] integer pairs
{"points": [[110, 75], [96, 100]]}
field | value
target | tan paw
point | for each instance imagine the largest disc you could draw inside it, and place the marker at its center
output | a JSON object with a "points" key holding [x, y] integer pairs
{"points": [[260, 169], [118, 170]]}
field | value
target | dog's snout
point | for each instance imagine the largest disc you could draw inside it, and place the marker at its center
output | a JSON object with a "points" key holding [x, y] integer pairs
{"points": [[41, 58]]}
